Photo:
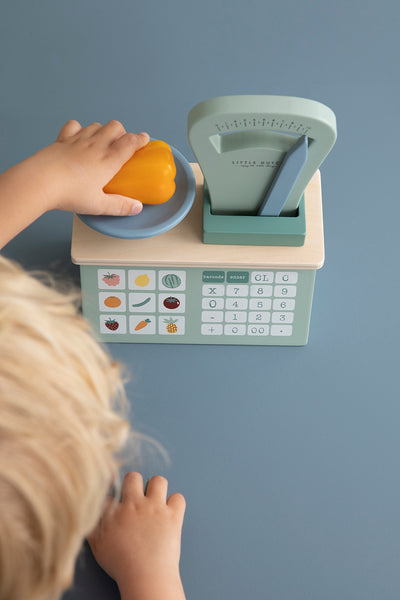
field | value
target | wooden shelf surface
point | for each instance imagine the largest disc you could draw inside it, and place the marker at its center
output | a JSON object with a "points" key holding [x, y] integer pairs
{"points": [[183, 246]]}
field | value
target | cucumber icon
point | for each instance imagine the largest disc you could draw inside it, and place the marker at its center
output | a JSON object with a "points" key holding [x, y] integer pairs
{"points": [[142, 303]]}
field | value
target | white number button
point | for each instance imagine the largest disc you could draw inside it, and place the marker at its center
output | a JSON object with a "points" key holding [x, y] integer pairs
{"points": [[235, 317], [284, 304], [286, 277], [259, 317], [237, 290], [260, 304], [282, 317], [236, 303], [235, 330], [285, 330], [212, 303], [258, 330], [285, 291], [260, 290]]}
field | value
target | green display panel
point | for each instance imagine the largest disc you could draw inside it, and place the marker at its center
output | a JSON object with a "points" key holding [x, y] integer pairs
{"points": [[198, 305]]}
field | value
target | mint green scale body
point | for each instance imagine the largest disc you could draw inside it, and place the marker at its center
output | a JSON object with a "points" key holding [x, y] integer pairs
{"points": [[177, 305], [240, 267], [175, 289]]}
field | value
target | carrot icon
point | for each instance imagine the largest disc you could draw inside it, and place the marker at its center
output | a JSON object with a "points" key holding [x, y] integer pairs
{"points": [[142, 324]]}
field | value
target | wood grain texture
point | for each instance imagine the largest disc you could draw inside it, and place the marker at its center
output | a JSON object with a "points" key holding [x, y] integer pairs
{"points": [[183, 246]]}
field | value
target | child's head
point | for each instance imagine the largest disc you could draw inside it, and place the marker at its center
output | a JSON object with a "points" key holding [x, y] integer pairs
{"points": [[59, 432]]}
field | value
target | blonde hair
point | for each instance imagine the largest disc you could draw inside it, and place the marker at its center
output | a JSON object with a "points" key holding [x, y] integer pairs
{"points": [[60, 430]]}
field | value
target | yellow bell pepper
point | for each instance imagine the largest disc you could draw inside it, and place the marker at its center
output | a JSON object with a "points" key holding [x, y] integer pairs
{"points": [[148, 176]]}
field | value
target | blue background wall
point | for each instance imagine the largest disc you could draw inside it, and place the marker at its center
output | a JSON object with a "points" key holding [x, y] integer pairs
{"points": [[288, 457]]}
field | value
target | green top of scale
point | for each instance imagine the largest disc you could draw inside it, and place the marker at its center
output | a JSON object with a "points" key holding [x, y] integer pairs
{"points": [[241, 141]]}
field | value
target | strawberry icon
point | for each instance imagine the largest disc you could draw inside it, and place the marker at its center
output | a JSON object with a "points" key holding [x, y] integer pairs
{"points": [[111, 324], [111, 279]]}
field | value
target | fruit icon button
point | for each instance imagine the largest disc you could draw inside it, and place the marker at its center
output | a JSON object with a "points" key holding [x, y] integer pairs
{"points": [[111, 278], [142, 302], [112, 324], [171, 326], [171, 303], [142, 279], [112, 302], [171, 280], [142, 325]]}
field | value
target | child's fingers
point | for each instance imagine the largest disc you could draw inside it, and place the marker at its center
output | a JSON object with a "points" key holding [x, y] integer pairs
{"points": [[90, 130], [177, 502], [132, 487], [68, 130], [128, 144], [110, 132], [118, 206], [157, 489]]}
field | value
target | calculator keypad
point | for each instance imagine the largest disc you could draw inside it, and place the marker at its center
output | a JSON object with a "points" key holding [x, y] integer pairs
{"points": [[255, 303]]}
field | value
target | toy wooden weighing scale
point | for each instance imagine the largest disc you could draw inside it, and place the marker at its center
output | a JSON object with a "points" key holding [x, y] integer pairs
{"points": [[231, 258]]}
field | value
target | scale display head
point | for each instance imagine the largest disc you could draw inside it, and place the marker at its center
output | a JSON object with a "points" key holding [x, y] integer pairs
{"points": [[241, 142]]}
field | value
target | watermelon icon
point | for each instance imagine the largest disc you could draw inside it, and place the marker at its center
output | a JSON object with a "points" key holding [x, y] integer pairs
{"points": [[171, 281]]}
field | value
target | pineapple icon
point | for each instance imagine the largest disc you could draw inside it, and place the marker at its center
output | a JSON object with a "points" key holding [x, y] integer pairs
{"points": [[171, 325]]}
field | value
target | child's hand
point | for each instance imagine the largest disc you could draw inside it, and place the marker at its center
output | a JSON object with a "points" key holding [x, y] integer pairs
{"points": [[69, 175], [75, 168], [138, 542]]}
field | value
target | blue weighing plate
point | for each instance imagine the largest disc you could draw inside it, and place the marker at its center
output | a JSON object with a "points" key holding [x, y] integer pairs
{"points": [[154, 218]]}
